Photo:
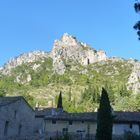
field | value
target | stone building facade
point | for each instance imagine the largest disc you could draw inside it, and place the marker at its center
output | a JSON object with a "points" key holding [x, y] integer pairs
{"points": [[56, 121], [17, 118], [18, 121]]}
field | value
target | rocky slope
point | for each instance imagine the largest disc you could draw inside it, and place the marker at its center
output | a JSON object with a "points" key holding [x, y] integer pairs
{"points": [[76, 69], [134, 78], [22, 59], [65, 49], [69, 49]]}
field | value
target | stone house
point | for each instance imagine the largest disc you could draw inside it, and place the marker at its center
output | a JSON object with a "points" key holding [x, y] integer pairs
{"points": [[17, 118], [126, 121], [40, 114], [18, 121], [56, 121]]}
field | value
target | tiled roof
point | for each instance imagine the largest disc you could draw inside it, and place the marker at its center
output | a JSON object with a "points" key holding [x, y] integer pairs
{"points": [[127, 117], [119, 117], [88, 116], [40, 112]]}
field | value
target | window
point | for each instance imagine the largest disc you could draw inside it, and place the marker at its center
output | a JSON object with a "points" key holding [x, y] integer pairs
{"points": [[130, 126], [65, 130], [6, 128], [70, 122], [53, 121], [19, 129], [15, 114]]}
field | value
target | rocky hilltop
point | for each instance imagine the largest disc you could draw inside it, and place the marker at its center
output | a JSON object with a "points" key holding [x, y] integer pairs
{"points": [[23, 59], [77, 70], [68, 48]]}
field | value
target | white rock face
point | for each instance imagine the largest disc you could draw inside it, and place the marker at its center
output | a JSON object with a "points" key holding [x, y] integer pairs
{"points": [[24, 58], [22, 80], [29, 78], [35, 66], [134, 79], [58, 66], [65, 49], [68, 48]]}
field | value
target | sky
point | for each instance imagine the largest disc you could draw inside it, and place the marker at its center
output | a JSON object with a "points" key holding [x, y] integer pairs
{"points": [[28, 25]]}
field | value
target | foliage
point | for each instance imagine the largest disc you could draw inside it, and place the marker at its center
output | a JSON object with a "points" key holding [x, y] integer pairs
{"points": [[137, 25], [60, 104], [81, 85], [104, 118], [29, 98], [91, 93], [2, 92]]}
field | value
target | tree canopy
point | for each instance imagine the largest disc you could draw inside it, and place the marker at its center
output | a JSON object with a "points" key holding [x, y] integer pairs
{"points": [[137, 25]]}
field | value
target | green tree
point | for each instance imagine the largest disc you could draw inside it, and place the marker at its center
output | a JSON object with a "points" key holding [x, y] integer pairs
{"points": [[91, 93], [2, 92], [60, 104], [104, 118], [124, 92], [110, 91], [69, 95], [137, 25]]}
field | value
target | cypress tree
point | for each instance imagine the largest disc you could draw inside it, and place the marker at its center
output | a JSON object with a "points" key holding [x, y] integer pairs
{"points": [[59, 104], [69, 95], [104, 118]]}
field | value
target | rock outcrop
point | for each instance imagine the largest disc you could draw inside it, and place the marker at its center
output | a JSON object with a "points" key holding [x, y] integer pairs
{"points": [[65, 49], [68, 48], [23, 58], [134, 79]]}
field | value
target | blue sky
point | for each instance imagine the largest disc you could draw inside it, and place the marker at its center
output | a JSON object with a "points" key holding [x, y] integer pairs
{"points": [[27, 25]]}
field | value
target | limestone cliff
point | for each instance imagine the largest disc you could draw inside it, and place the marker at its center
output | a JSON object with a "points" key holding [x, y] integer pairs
{"points": [[22, 59], [77, 70], [69, 51], [134, 78], [65, 49], [69, 48]]}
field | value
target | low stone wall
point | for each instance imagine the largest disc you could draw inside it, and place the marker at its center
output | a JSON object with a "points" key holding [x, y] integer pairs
{"points": [[73, 136], [59, 136], [35, 137]]}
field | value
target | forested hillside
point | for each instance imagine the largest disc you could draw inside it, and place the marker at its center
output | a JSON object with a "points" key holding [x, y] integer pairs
{"points": [[76, 70]]}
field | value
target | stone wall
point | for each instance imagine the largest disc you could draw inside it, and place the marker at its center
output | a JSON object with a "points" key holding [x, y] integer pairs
{"points": [[80, 128], [16, 120]]}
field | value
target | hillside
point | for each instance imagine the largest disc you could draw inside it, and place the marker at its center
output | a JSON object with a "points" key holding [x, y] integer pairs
{"points": [[77, 70]]}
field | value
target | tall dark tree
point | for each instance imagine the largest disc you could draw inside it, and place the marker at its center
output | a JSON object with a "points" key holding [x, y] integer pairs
{"points": [[69, 95], [60, 104], [104, 118], [137, 25]]}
